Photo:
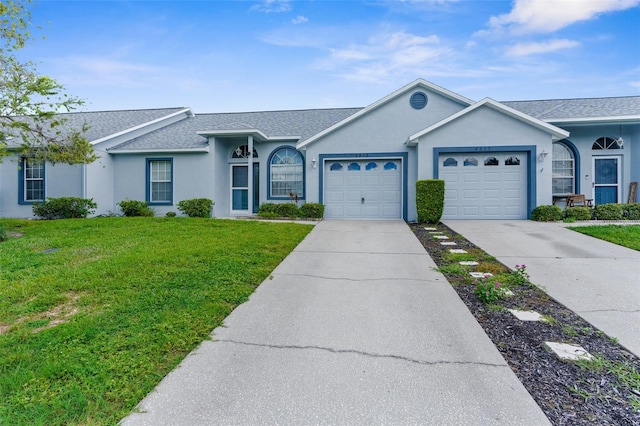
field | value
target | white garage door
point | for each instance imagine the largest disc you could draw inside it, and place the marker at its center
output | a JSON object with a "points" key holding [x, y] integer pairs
{"points": [[484, 185], [363, 189]]}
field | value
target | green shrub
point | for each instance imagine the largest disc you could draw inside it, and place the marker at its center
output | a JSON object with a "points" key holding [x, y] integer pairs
{"points": [[196, 207], [608, 211], [268, 210], [578, 213], [136, 208], [170, 214], [546, 214], [312, 210], [631, 211], [288, 210], [430, 200], [64, 208], [3, 233]]}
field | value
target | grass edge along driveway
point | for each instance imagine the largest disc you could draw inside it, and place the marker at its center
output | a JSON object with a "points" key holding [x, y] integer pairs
{"points": [[622, 235], [95, 312]]}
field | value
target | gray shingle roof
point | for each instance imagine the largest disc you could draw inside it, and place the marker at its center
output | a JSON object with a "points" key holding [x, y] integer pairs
{"points": [[106, 123], [183, 134], [584, 108]]}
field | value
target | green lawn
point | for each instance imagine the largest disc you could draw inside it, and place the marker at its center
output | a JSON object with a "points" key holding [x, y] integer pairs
{"points": [[624, 235], [86, 331]]}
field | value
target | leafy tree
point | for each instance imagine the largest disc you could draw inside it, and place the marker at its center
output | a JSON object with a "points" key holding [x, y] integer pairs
{"points": [[30, 103]]}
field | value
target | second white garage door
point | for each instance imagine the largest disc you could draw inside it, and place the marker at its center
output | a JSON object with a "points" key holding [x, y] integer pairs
{"points": [[363, 189], [484, 185]]}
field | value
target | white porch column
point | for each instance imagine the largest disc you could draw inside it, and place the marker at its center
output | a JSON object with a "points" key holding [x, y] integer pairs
{"points": [[250, 175]]}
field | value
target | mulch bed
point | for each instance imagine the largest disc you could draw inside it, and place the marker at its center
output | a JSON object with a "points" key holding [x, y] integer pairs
{"points": [[567, 392]]}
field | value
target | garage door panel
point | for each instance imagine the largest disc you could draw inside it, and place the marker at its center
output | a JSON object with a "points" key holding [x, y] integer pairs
{"points": [[474, 190], [377, 182]]}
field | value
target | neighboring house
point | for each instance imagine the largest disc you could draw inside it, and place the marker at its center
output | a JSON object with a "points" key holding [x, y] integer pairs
{"points": [[499, 159]]}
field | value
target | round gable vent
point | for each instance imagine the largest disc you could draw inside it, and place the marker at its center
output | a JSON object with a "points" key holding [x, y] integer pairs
{"points": [[418, 100]]}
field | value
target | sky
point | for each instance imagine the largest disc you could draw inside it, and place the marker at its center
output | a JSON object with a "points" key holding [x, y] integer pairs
{"points": [[229, 56]]}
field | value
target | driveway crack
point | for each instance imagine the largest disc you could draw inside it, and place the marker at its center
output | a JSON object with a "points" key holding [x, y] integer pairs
{"points": [[324, 277], [362, 353]]}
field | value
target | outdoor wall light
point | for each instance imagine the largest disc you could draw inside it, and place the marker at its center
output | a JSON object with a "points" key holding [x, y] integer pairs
{"points": [[542, 155], [314, 163]]}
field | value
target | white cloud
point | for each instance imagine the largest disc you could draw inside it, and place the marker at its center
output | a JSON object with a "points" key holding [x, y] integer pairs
{"points": [[385, 55], [300, 19], [272, 6], [535, 16], [525, 49]]}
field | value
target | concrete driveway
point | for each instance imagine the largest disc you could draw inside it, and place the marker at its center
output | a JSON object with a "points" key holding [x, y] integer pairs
{"points": [[353, 327], [600, 281]]}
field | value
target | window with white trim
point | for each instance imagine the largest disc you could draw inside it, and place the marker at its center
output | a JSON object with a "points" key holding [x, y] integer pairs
{"points": [[563, 170], [286, 173], [32, 180], [160, 181]]}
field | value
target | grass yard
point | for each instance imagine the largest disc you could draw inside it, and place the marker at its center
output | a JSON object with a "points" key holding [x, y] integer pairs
{"points": [[624, 235], [87, 330]]}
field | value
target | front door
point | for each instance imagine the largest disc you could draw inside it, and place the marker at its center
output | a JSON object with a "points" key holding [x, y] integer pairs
{"points": [[606, 179], [240, 188]]}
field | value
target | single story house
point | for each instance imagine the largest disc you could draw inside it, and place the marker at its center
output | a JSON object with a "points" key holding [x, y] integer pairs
{"points": [[499, 159]]}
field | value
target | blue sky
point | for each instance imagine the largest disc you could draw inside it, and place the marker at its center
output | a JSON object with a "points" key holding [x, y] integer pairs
{"points": [[224, 56]]}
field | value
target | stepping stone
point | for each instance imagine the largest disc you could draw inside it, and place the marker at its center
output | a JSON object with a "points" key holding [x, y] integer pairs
{"points": [[467, 262], [457, 251], [570, 352], [448, 243], [440, 237], [480, 274], [527, 315], [430, 229]]}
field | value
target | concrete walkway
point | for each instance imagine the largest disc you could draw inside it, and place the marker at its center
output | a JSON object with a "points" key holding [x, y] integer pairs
{"points": [[599, 281], [353, 327]]}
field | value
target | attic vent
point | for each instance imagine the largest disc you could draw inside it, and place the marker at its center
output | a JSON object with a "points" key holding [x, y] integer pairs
{"points": [[418, 100]]}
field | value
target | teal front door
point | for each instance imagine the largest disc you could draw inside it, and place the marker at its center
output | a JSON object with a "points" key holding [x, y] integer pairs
{"points": [[606, 179]]}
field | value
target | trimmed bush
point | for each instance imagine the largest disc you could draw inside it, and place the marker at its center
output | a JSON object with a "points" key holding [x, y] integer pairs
{"points": [[64, 208], [631, 211], [268, 210], [578, 213], [132, 208], [288, 210], [196, 207], [430, 200], [608, 211], [170, 214], [312, 210], [3, 233], [546, 214]]}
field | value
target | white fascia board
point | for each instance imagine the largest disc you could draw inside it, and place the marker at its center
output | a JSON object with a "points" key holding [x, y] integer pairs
{"points": [[159, 151], [556, 132], [186, 111], [411, 86], [631, 119], [258, 134]]}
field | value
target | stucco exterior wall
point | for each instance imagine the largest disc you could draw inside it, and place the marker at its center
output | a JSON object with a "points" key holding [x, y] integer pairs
{"points": [[486, 128], [383, 130], [193, 177], [61, 180], [583, 137]]}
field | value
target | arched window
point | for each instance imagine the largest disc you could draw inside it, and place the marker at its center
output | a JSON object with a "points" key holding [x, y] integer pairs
{"points": [[450, 162], [286, 173], [491, 161], [241, 151], [371, 166], [335, 167], [390, 166], [470, 161], [353, 167], [563, 173], [605, 143], [512, 161]]}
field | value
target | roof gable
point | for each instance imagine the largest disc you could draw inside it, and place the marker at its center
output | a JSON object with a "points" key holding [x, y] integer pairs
{"points": [[419, 83], [555, 132]]}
